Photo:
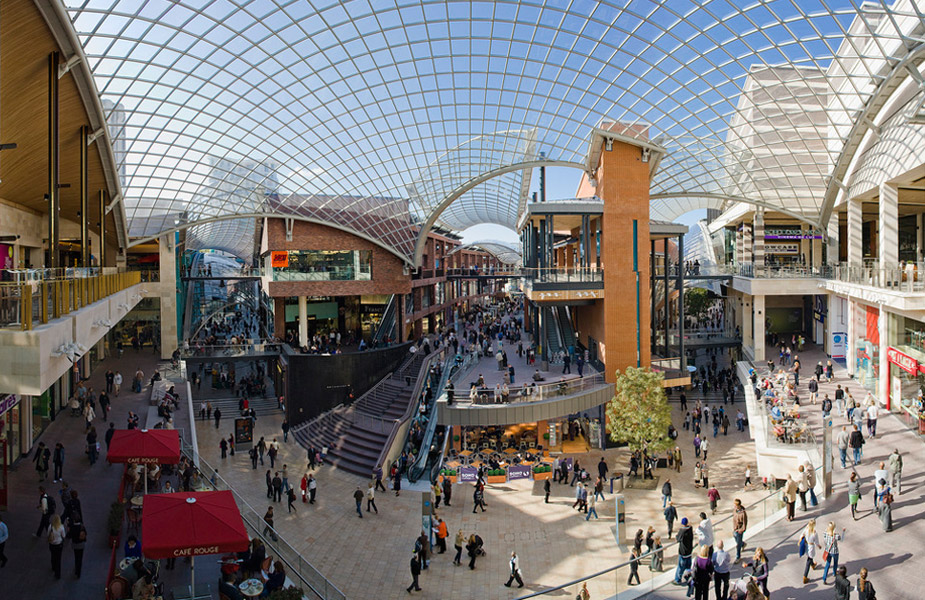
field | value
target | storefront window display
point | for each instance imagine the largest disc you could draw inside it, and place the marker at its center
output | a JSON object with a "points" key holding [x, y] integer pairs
{"points": [[907, 381], [9, 425], [867, 348]]}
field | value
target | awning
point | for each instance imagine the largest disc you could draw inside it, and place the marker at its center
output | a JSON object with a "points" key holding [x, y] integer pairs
{"points": [[192, 524], [145, 446]]}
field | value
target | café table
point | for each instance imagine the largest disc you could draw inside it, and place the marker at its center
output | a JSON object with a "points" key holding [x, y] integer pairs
{"points": [[251, 588]]}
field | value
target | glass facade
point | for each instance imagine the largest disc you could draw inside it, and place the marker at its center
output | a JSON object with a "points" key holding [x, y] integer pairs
{"points": [[326, 265]]}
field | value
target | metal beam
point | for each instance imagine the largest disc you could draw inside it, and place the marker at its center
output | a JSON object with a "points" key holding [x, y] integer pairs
{"points": [[53, 162], [84, 200]]}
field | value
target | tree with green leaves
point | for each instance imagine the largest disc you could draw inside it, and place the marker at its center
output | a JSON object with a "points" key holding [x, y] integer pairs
{"points": [[696, 302], [639, 414]]}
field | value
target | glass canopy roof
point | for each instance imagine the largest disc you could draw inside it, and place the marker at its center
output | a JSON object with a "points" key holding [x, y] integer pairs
{"points": [[508, 254], [376, 115]]}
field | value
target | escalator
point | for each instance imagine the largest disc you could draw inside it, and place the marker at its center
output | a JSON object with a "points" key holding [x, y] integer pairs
{"points": [[386, 328], [566, 331]]}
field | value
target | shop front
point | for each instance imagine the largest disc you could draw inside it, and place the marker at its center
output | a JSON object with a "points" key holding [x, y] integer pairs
{"points": [[866, 348], [906, 373]]}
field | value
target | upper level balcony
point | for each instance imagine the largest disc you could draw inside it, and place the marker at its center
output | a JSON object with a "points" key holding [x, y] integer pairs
{"points": [[900, 286], [525, 403], [563, 283]]}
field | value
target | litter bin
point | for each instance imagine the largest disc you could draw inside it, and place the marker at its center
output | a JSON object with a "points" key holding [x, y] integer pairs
{"points": [[618, 477]]}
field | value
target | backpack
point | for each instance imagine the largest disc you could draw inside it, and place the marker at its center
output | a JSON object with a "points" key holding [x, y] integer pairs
{"points": [[52, 507]]}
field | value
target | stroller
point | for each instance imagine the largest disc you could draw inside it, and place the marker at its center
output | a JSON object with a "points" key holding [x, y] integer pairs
{"points": [[738, 588], [479, 546]]}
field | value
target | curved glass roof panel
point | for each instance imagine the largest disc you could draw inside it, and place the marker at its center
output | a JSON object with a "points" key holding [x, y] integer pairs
{"points": [[374, 115], [508, 254], [234, 236]]}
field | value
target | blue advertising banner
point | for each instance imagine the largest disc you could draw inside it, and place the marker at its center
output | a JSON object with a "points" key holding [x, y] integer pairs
{"points": [[468, 474]]}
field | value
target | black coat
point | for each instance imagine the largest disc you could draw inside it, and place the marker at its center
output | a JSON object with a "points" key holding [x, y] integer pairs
{"points": [[685, 540]]}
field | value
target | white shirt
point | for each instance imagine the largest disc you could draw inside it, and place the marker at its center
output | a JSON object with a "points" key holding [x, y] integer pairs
{"points": [[117, 379], [872, 411], [56, 536], [705, 532]]}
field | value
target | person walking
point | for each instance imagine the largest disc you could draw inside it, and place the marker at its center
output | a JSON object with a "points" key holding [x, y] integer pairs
{"points": [[117, 383], [546, 489], [459, 544], [415, 573], [4, 536], [515, 572], [584, 594], [809, 539], [713, 497], [896, 471], [290, 499], [739, 525], [854, 493], [671, 514], [865, 588], [666, 493], [285, 428], [881, 476], [842, 442], [803, 487], [437, 492], [268, 523], [790, 496], [842, 585], [885, 508], [873, 411], [447, 491], [312, 488], [371, 497], [358, 498], [277, 483], [478, 498], [702, 573], [685, 539], [677, 459], [218, 419], [56, 537], [58, 461], [830, 541], [47, 508], [472, 549], [658, 556], [77, 533], [760, 571], [721, 564], [377, 475], [592, 508], [223, 446]]}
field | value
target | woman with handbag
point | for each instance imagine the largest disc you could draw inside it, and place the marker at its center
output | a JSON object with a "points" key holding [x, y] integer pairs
{"points": [[809, 541], [830, 541], [760, 570]]}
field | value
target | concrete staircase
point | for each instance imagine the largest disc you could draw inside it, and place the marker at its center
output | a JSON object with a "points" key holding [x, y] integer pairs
{"points": [[355, 435]]}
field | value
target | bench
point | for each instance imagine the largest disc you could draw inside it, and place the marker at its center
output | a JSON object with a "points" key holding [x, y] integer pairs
{"points": [[158, 391]]}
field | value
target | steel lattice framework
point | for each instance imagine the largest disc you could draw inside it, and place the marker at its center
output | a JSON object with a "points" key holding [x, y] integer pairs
{"points": [[378, 115]]}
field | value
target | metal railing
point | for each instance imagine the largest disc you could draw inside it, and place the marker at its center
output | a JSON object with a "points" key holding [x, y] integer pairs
{"points": [[563, 274], [250, 348], [901, 278], [610, 582], [313, 583], [38, 300], [784, 271], [531, 393]]}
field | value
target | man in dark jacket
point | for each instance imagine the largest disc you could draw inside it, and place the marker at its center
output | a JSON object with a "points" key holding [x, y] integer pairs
{"points": [[855, 441], [671, 515], [415, 571], [666, 494], [685, 540], [447, 490], [602, 468]]}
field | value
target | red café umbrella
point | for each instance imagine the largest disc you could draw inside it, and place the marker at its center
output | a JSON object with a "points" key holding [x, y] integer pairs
{"points": [[192, 524], [145, 446]]}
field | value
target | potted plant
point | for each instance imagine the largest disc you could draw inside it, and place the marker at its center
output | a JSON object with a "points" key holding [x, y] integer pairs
{"points": [[541, 472], [449, 474], [114, 522], [289, 593], [546, 436], [455, 438], [497, 476]]}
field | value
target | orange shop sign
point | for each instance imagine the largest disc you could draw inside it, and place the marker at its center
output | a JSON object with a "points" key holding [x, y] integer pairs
{"points": [[279, 260]]}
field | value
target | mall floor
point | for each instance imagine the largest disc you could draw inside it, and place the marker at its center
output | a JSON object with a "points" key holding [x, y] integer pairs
{"points": [[369, 557], [895, 560], [28, 573]]}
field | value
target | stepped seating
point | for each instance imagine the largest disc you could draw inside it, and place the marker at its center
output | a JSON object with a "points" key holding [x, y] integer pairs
{"points": [[352, 445]]}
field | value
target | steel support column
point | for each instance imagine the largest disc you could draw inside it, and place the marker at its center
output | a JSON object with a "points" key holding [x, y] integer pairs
{"points": [[84, 200], [53, 161], [665, 264], [683, 361], [102, 249]]}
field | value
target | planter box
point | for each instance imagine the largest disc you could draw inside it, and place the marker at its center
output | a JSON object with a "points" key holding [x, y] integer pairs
{"points": [[452, 478], [496, 478], [542, 476]]}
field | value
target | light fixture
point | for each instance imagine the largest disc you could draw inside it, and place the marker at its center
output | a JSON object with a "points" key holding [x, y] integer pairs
{"points": [[609, 144], [645, 155], [7, 146]]}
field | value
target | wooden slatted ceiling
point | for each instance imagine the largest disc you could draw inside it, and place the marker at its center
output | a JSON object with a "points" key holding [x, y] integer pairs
{"points": [[25, 43]]}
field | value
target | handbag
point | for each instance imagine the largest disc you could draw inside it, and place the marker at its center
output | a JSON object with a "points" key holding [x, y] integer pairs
{"points": [[802, 546], [825, 555]]}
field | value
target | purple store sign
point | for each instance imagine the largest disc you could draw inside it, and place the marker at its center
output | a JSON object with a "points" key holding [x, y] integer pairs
{"points": [[518, 472], [8, 402], [468, 474]]}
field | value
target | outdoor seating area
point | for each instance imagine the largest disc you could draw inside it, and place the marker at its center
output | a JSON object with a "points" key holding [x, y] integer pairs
{"points": [[781, 404]]}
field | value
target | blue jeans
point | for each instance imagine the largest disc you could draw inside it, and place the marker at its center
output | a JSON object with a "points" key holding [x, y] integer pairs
{"points": [[601, 494], [857, 456], [740, 543], [359, 512], [591, 510], [843, 454], [832, 560], [665, 500], [684, 563]]}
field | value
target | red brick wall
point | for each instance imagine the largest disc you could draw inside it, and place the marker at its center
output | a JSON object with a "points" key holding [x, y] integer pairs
{"points": [[387, 276]]}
